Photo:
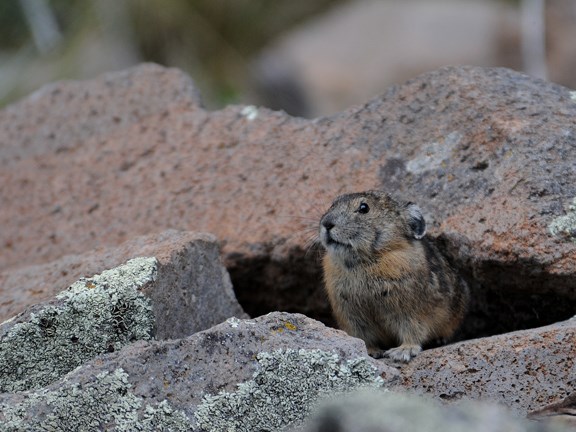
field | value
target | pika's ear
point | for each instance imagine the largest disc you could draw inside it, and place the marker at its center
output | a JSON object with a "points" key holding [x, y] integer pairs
{"points": [[416, 221]]}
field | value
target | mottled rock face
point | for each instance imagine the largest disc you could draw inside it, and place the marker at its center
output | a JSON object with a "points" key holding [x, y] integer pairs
{"points": [[488, 154], [93, 316], [176, 286], [523, 370], [559, 412], [60, 116], [273, 371], [283, 363], [192, 291]]}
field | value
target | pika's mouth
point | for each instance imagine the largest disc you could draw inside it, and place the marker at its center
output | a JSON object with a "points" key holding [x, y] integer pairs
{"points": [[331, 243]]}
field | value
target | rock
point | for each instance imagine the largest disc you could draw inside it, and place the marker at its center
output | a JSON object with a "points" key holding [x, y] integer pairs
{"points": [[563, 412], [377, 411], [326, 65], [275, 370], [64, 116], [523, 370], [488, 154], [181, 290], [191, 293], [282, 362], [93, 316]]}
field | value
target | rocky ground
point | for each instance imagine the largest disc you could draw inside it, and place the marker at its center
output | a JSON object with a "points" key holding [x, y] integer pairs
{"points": [[121, 314]]}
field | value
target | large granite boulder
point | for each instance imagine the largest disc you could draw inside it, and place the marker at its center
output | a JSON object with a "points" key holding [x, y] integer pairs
{"points": [[240, 375], [276, 370], [488, 154], [524, 370], [177, 287]]}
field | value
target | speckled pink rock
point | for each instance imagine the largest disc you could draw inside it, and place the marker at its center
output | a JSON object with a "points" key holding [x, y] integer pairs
{"points": [[523, 370], [488, 154]]}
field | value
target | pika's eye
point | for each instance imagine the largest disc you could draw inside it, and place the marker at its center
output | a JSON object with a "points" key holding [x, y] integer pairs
{"points": [[363, 208]]}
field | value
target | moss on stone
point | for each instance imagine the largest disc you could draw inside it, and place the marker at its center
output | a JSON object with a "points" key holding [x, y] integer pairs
{"points": [[283, 390], [94, 316], [565, 225], [107, 403]]}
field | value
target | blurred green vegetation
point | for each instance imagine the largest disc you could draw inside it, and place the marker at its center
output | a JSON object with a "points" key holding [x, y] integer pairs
{"points": [[213, 40], [14, 32]]}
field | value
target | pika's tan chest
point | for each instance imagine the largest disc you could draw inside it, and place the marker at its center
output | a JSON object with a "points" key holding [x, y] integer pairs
{"points": [[354, 286]]}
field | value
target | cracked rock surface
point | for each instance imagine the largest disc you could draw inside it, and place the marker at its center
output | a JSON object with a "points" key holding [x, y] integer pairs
{"points": [[523, 370], [130, 166], [282, 361], [488, 154], [192, 291], [179, 290]]}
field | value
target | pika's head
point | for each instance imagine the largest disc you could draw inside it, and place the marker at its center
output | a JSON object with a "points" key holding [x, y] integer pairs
{"points": [[360, 225]]}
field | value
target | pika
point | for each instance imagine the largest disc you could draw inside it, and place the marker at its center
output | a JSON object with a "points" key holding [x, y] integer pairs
{"points": [[386, 283]]}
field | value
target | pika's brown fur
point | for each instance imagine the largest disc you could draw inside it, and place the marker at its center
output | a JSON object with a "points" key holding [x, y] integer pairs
{"points": [[386, 283]]}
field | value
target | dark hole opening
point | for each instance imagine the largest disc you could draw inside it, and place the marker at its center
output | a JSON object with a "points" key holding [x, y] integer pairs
{"points": [[504, 299]]}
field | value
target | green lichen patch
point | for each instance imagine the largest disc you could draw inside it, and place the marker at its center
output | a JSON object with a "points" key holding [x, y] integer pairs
{"points": [[565, 225], [107, 403], [94, 316], [283, 390]]}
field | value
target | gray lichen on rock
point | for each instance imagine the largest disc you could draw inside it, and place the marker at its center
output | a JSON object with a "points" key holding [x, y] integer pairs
{"points": [[107, 403], [565, 225], [286, 386], [93, 316]]}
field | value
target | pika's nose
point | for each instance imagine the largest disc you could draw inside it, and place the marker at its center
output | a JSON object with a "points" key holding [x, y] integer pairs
{"points": [[328, 224]]}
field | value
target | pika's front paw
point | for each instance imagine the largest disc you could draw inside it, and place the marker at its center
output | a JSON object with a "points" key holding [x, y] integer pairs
{"points": [[403, 353]]}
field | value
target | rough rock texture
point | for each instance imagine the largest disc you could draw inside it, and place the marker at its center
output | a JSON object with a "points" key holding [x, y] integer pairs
{"points": [[274, 370], [562, 412], [93, 316], [377, 411], [284, 362], [191, 293], [284, 390], [185, 290], [489, 155], [59, 116], [524, 370]]}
